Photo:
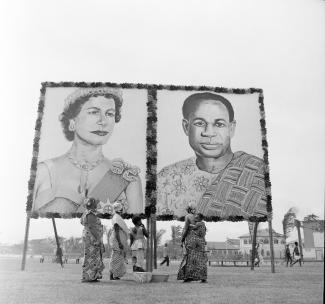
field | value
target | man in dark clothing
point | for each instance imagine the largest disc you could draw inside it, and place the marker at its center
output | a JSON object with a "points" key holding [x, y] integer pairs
{"points": [[288, 255], [296, 255]]}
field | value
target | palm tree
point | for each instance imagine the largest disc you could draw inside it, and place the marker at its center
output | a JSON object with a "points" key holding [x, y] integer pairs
{"points": [[72, 245], [176, 240], [159, 235], [289, 221], [176, 234]]}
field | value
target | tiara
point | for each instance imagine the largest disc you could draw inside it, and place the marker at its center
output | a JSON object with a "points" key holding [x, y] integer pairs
{"points": [[91, 91]]}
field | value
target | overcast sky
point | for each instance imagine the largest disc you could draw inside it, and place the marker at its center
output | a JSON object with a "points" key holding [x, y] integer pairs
{"points": [[276, 45]]}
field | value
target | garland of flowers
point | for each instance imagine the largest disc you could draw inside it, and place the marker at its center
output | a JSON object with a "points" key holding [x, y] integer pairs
{"points": [[151, 177], [265, 154], [151, 174], [33, 168]]}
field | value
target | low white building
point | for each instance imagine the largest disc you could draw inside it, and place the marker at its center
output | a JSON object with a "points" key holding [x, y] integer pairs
{"points": [[313, 240], [262, 237]]}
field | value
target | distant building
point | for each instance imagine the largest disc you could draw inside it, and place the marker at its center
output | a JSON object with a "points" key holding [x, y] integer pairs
{"points": [[224, 250], [313, 244], [263, 238]]}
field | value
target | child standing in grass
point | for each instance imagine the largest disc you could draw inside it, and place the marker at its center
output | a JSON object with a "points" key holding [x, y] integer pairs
{"points": [[137, 240]]}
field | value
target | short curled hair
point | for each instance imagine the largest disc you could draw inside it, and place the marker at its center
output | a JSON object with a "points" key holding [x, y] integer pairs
{"points": [[192, 102], [73, 108]]}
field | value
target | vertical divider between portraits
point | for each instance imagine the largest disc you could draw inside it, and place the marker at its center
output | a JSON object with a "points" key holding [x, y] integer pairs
{"points": [[151, 175], [151, 161]]}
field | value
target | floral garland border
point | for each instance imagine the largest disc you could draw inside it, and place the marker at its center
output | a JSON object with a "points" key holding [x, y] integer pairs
{"points": [[151, 178], [151, 184]]}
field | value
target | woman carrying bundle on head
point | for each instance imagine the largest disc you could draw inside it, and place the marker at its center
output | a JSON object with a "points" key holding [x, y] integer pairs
{"points": [[93, 243], [118, 243], [194, 264]]}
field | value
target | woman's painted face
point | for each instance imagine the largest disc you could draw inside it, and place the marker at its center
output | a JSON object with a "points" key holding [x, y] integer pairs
{"points": [[95, 122], [209, 129]]}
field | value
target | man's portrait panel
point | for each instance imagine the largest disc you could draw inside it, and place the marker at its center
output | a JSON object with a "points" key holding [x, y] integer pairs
{"points": [[210, 154]]}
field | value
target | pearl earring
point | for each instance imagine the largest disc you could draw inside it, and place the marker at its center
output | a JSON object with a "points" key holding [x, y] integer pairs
{"points": [[71, 127]]}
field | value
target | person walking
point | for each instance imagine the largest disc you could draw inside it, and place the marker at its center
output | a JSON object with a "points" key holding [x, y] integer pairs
{"points": [[92, 237], [165, 256], [288, 255], [296, 255], [194, 264], [118, 242]]}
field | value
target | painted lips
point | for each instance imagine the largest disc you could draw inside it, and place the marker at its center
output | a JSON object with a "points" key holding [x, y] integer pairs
{"points": [[100, 133], [211, 146]]}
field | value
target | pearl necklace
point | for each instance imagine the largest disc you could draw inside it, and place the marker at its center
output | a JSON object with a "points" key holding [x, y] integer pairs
{"points": [[84, 167]]}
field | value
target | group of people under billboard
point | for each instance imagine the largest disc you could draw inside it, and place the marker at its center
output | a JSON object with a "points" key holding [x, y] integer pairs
{"points": [[193, 266], [216, 182]]}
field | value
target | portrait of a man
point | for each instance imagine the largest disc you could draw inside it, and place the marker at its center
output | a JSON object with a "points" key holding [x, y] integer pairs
{"points": [[217, 180]]}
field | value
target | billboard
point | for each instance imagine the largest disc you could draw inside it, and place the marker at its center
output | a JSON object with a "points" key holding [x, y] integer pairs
{"points": [[154, 148]]}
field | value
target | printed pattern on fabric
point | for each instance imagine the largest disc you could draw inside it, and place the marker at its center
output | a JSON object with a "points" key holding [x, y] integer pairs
{"points": [[118, 263], [237, 190], [194, 263], [93, 265]]}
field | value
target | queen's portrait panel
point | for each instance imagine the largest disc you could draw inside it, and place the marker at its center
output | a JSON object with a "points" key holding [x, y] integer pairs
{"points": [[92, 143], [210, 155]]}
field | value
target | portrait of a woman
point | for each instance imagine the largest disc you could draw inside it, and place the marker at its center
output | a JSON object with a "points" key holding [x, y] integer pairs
{"points": [[62, 183]]}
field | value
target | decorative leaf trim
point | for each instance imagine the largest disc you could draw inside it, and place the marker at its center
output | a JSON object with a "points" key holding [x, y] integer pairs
{"points": [[79, 214], [214, 218], [151, 174]]}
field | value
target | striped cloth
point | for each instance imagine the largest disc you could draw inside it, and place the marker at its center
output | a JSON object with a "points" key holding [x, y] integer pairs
{"points": [[238, 190]]}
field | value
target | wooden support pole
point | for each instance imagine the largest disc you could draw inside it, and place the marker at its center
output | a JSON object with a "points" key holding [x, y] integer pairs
{"points": [[148, 245], [151, 242], [298, 225], [254, 245], [148, 253], [58, 250], [271, 244], [154, 241], [23, 262]]}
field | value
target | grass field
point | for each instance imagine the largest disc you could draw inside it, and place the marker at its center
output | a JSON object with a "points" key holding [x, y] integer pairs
{"points": [[49, 283]]}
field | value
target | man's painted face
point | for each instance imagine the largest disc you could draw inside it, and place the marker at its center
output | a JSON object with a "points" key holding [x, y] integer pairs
{"points": [[209, 130], [95, 122]]}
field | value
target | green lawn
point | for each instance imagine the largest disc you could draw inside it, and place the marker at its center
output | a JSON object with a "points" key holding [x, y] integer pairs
{"points": [[48, 283]]}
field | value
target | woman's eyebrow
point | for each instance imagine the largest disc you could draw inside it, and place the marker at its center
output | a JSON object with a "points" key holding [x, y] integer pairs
{"points": [[96, 108]]}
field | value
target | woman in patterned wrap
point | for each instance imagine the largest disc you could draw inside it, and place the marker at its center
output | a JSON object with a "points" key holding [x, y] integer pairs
{"points": [[118, 242], [93, 243], [194, 264]]}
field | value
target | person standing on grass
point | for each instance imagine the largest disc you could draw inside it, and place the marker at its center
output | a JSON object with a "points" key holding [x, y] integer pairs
{"points": [[288, 255], [194, 264], [165, 256], [257, 256], [92, 237], [118, 242], [296, 255], [137, 240]]}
